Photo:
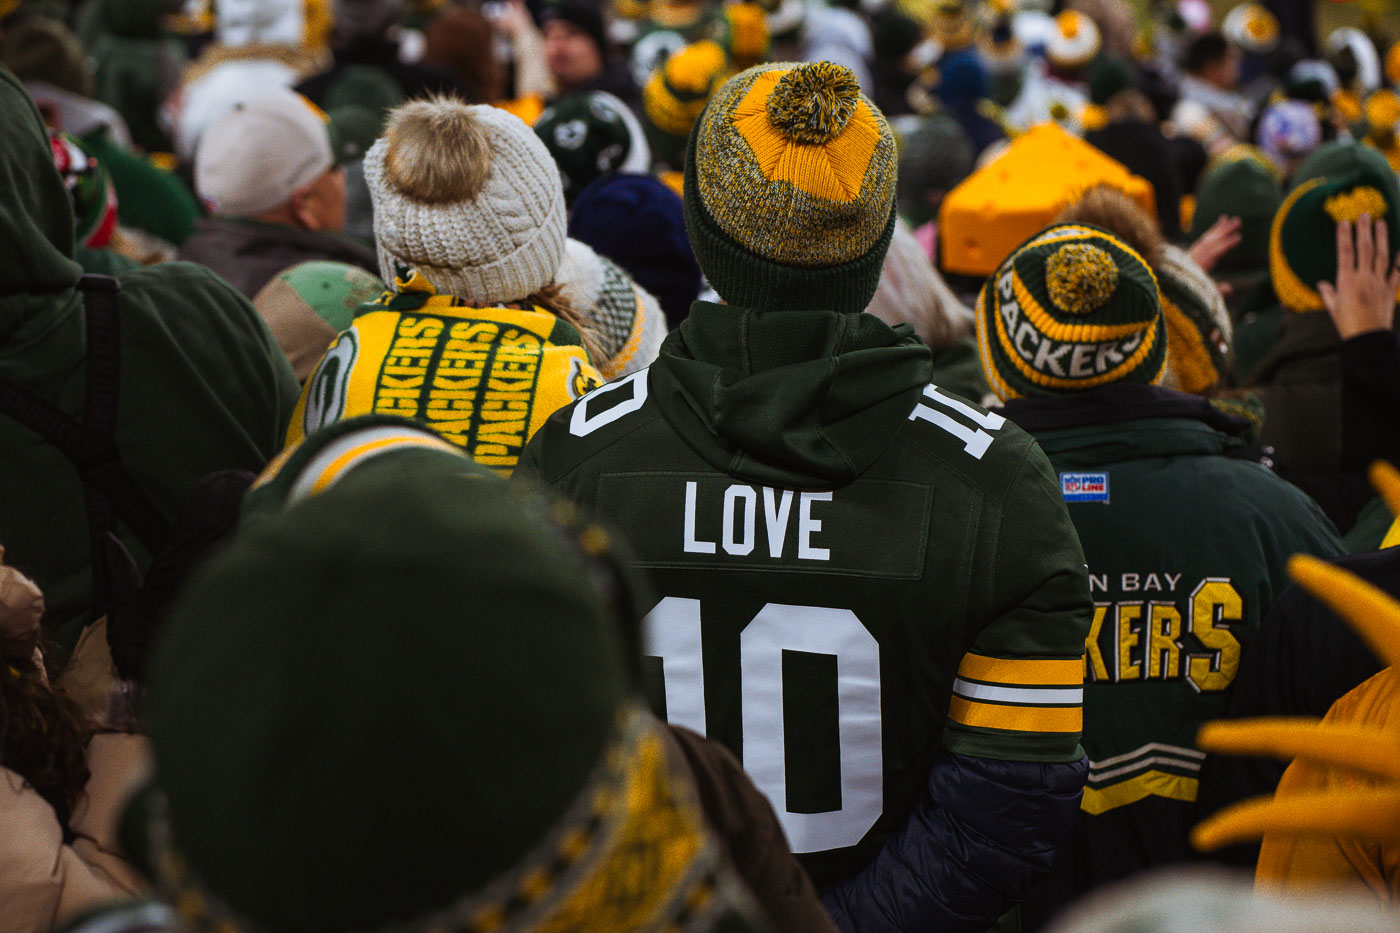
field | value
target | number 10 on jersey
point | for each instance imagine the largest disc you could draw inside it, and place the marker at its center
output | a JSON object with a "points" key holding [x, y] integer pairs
{"points": [[673, 634]]}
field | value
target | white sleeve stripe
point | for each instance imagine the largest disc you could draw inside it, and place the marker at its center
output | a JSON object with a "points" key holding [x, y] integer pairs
{"points": [[1039, 696]]}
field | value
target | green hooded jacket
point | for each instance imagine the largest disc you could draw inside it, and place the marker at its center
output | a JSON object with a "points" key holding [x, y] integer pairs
{"points": [[203, 387], [1186, 544], [835, 541]]}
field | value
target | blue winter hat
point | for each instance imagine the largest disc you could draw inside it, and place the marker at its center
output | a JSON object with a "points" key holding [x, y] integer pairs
{"points": [[638, 223]]}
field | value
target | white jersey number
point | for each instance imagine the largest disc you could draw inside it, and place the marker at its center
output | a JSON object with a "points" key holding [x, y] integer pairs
{"points": [[673, 635]]}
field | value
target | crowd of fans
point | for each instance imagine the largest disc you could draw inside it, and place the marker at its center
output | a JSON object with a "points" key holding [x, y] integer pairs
{"points": [[793, 465]]}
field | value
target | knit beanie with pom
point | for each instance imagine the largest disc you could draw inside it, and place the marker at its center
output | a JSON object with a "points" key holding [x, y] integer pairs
{"points": [[676, 93], [789, 189], [1072, 308], [469, 197]]}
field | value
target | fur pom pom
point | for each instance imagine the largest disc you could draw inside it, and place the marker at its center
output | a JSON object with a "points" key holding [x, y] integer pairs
{"points": [[437, 152]]}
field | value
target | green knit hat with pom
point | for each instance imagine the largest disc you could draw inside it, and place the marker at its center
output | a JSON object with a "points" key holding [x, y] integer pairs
{"points": [[1338, 182], [1073, 308], [789, 189], [402, 699]]}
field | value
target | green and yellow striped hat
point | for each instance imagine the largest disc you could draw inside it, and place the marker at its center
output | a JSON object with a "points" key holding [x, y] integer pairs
{"points": [[1072, 308], [789, 189], [1339, 182]]}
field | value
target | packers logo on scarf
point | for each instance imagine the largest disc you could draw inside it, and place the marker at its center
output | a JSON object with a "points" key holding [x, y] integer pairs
{"points": [[484, 379]]}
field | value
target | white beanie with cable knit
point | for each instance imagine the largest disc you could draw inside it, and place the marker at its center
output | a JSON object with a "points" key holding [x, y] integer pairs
{"points": [[468, 196]]}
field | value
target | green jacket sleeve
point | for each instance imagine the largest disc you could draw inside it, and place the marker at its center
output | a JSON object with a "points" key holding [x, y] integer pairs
{"points": [[1019, 691]]}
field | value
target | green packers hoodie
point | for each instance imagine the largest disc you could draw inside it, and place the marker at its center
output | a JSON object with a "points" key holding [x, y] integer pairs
{"points": [[835, 541], [202, 385]]}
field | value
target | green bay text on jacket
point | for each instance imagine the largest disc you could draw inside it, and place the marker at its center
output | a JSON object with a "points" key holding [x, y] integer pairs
{"points": [[835, 542], [202, 386], [1186, 548]]}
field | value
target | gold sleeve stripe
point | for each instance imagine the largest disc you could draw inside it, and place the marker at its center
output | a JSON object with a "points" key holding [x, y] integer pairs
{"points": [[1016, 718], [1068, 672]]}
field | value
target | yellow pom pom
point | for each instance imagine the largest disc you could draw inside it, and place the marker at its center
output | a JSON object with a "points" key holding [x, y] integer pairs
{"points": [[812, 102], [748, 32], [1080, 277], [696, 68], [1383, 109], [1350, 205]]}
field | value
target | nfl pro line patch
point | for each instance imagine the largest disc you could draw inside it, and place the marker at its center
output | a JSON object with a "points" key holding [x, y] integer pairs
{"points": [[1084, 487]]}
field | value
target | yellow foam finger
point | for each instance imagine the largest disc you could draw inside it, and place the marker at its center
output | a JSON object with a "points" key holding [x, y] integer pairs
{"points": [[1374, 615], [1359, 814], [1385, 479], [1353, 747]]}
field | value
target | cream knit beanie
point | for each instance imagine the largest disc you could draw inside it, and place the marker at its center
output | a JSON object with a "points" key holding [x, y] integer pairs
{"points": [[468, 196]]}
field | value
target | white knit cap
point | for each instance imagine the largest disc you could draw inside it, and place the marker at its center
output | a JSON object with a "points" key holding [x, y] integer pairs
{"points": [[504, 244]]}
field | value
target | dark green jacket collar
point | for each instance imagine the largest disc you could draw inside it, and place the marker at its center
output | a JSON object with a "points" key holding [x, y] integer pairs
{"points": [[805, 399], [1128, 422]]}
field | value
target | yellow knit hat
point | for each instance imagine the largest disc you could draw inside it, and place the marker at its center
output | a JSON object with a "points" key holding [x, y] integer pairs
{"points": [[790, 188]]}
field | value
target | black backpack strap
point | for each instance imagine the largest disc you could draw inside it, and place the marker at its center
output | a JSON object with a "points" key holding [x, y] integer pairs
{"points": [[90, 445]]}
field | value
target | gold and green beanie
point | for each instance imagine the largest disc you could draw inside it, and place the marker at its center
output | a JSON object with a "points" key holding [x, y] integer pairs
{"points": [[1072, 308], [1339, 182], [789, 189], [404, 700], [676, 93]]}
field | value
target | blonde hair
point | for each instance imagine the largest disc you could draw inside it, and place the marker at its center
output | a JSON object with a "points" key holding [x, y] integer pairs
{"points": [[1112, 210], [437, 152], [912, 292]]}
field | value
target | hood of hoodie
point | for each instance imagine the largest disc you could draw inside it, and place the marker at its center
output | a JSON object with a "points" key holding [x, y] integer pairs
{"points": [[800, 399], [36, 218], [1121, 422]]}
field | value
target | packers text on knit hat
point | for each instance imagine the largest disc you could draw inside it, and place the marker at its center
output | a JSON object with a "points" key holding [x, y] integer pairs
{"points": [[1339, 182], [1072, 308], [255, 157], [469, 196], [789, 189]]}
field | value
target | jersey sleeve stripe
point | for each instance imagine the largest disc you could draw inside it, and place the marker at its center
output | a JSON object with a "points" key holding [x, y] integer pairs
{"points": [[1040, 696], [1022, 672], [1016, 718]]}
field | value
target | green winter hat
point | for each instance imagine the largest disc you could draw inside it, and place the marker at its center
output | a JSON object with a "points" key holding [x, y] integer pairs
{"points": [[590, 135], [403, 699], [1243, 188], [352, 131], [789, 189], [933, 160], [1199, 332], [307, 305], [1341, 181], [1072, 308]]}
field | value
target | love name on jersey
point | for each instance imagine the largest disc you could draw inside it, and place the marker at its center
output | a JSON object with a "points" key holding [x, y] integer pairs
{"points": [[1179, 636], [739, 522]]}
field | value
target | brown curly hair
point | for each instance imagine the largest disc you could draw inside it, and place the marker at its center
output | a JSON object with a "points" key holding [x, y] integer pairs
{"points": [[43, 737]]}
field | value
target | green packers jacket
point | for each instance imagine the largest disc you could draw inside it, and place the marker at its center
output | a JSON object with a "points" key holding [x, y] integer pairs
{"points": [[856, 571], [196, 383], [1186, 547]]}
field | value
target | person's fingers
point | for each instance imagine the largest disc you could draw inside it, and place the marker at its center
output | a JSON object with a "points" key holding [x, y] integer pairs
{"points": [[1226, 289], [1346, 253], [1365, 245], [1380, 263], [1329, 296], [1392, 283]]}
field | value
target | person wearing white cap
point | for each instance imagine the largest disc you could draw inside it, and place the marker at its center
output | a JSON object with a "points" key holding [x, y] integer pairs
{"points": [[268, 176]]}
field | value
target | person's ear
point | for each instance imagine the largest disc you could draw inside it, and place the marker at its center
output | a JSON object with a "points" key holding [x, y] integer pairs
{"points": [[304, 210]]}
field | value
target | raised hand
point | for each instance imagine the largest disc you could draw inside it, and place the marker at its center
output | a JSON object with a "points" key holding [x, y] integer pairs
{"points": [[1363, 297]]}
